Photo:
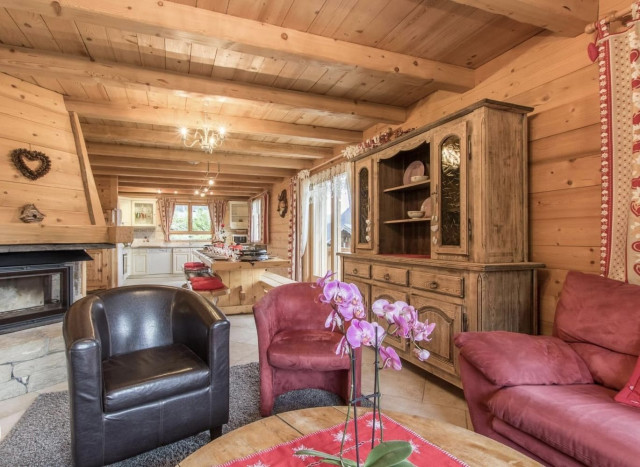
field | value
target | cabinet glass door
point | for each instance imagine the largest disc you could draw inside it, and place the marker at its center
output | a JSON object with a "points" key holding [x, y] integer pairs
{"points": [[362, 192], [450, 223]]}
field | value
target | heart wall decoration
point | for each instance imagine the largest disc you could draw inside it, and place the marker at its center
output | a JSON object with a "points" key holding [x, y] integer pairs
{"points": [[20, 158]]}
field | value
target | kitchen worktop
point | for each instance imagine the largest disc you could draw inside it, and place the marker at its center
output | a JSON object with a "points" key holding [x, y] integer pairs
{"points": [[141, 244]]}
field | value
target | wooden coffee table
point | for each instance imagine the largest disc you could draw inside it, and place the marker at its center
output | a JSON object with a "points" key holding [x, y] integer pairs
{"points": [[469, 447]]}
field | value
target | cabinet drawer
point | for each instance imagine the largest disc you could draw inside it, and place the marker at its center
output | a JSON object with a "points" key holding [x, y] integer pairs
{"points": [[357, 269], [389, 274], [439, 283]]}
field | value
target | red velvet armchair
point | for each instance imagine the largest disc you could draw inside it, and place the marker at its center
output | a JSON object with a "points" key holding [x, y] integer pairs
{"points": [[296, 351], [552, 397]]}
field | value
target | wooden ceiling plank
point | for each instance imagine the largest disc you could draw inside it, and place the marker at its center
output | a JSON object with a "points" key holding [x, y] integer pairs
{"points": [[566, 17], [10, 33], [125, 46], [190, 182], [165, 19], [121, 150], [96, 41], [93, 132], [149, 190], [152, 50], [178, 54], [177, 118], [16, 59]]}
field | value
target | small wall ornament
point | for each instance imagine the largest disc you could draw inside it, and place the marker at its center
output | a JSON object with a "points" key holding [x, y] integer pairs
{"points": [[283, 204], [19, 158], [30, 214]]}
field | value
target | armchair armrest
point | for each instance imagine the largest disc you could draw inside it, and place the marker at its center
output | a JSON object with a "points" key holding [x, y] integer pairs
{"points": [[511, 359]]}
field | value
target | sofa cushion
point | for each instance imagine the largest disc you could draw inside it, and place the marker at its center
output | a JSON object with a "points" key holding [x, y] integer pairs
{"points": [[630, 393], [611, 369], [581, 421], [150, 375], [601, 312], [306, 350], [510, 359]]}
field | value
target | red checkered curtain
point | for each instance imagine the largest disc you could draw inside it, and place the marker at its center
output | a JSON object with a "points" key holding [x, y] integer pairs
{"points": [[166, 207], [619, 65], [217, 209]]}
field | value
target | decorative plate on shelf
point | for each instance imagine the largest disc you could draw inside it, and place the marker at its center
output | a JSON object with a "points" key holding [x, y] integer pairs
{"points": [[413, 169], [426, 207]]}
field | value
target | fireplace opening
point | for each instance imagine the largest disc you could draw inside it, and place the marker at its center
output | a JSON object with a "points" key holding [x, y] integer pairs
{"points": [[35, 295], [38, 287]]}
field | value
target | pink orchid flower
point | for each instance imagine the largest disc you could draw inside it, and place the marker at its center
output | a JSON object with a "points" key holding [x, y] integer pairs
{"points": [[343, 347], [422, 354], [333, 320], [364, 333], [386, 310], [422, 331], [390, 358], [321, 281]]}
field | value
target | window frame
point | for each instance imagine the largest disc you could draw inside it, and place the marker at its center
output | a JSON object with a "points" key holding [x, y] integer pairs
{"points": [[190, 205]]}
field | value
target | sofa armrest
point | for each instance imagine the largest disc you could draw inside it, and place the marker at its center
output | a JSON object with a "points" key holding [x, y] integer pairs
{"points": [[511, 359]]}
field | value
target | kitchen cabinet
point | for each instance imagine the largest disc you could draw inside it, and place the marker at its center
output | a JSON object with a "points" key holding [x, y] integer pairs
{"points": [[100, 271], [464, 264], [139, 261], [159, 260], [181, 256]]}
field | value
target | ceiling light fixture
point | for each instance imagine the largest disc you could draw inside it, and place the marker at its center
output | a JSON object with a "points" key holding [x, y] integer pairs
{"points": [[207, 138], [209, 181]]}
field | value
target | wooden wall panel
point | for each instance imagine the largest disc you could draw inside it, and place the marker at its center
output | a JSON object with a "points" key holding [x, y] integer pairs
{"points": [[279, 226], [555, 77], [36, 119]]}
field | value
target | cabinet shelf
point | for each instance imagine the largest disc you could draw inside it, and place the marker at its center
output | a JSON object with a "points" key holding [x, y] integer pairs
{"points": [[409, 187], [405, 221]]}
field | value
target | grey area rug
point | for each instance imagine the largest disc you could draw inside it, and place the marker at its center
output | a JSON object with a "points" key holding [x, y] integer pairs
{"points": [[41, 438]]}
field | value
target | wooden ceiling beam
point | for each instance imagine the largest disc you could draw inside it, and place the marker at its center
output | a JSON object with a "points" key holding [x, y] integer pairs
{"points": [[127, 135], [194, 183], [178, 118], [132, 163], [145, 152], [565, 17], [178, 175], [209, 28], [136, 189], [86, 71]]}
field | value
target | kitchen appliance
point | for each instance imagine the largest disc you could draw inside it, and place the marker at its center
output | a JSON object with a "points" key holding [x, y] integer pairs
{"points": [[239, 238]]}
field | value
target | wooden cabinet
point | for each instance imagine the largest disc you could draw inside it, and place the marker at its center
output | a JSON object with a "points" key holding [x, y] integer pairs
{"points": [[464, 264], [363, 173], [101, 273]]}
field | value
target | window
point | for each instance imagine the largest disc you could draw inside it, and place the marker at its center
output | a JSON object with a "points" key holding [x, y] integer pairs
{"points": [[191, 218], [256, 220], [330, 225]]}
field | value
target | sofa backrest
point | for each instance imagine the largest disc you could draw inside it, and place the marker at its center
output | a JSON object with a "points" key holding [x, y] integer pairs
{"points": [[600, 319]]}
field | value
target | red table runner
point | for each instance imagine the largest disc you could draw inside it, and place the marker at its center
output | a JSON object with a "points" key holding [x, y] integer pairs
{"points": [[328, 440]]}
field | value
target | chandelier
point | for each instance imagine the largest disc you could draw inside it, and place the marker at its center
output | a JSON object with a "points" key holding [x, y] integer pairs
{"points": [[207, 137]]}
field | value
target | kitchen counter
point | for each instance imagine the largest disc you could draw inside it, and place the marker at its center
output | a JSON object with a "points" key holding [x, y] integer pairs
{"points": [[243, 280]]}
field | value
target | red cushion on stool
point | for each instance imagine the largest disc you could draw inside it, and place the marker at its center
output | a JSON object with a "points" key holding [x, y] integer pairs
{"points": [[194, 266], [206, 283]]}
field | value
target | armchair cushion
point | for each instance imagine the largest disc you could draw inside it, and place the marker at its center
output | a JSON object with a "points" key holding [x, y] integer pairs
{"points": [[306, 350], [149, 375], [531, 359]]}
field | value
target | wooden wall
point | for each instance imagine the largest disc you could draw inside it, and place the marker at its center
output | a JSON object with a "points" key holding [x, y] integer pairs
{"points": [[279, 226], [555, 77], [37, 119]]}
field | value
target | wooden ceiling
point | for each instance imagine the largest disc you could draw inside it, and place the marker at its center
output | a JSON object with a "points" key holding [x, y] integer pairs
{"points": [[291, 80]]}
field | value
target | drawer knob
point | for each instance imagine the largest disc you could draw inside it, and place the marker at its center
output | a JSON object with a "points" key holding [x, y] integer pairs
{"points": [[386, 276], [433, 285], [355, 271]]}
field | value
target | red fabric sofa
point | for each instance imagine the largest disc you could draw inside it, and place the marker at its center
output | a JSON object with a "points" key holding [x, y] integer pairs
{"points": [[552, 397]]}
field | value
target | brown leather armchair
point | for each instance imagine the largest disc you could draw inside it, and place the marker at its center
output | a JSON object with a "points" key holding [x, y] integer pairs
{"points": [[148, 365], [295, 350]]}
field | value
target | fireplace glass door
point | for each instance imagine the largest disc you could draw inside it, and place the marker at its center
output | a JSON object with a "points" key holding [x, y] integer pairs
{"points": [[33, 295]]}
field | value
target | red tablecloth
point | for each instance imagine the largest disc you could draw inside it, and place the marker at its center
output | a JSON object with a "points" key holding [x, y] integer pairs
{"points": [[329, 439]]}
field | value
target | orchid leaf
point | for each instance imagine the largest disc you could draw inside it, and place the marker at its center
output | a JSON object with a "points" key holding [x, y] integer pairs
{"points": [[328, 458], [388, 453]]}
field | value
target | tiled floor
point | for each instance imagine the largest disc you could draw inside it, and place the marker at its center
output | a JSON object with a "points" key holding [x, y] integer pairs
{"points": [[410, 390]]}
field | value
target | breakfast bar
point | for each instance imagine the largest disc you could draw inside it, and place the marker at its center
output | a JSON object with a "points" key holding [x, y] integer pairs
{"points": [[242, 278]]}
